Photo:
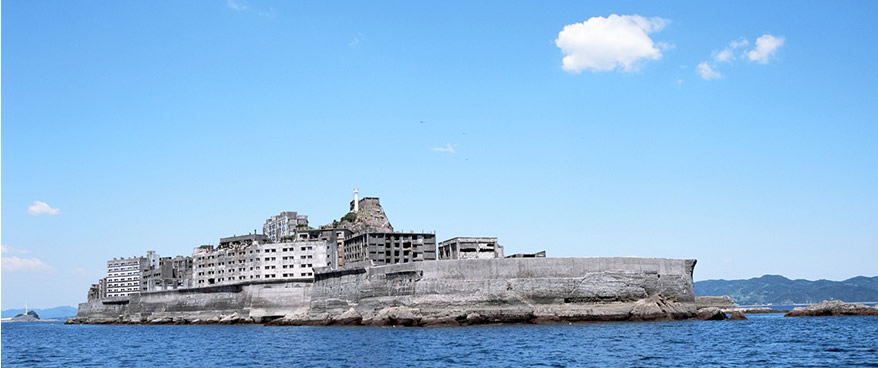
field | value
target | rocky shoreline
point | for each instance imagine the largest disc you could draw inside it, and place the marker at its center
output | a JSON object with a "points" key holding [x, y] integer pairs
{"points": [[833, 308], [656, 308]]}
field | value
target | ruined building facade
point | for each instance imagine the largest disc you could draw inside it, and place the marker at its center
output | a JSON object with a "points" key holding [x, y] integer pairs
{"points": [[254, 258], [290, 249], [381, 248], [133, 275], [470, 248], [171, 273]]}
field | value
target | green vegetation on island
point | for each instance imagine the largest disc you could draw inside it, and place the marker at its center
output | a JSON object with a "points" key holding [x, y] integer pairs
{"points": [[779, 290]]}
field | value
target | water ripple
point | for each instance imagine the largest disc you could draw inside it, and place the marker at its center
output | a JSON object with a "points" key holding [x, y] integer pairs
{"points": [[764, 340]]}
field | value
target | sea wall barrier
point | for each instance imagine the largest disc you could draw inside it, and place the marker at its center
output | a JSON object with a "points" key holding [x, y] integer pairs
{"points": [[443, 292]]}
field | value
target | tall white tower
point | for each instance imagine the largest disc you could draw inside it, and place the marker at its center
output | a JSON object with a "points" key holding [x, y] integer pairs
{"points": [[356, 200]]}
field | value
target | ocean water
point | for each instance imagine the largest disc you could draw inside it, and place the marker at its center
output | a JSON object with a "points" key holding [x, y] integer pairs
{"points": [[763, 340]]}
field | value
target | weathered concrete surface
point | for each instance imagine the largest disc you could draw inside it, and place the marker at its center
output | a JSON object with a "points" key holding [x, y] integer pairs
{"points": [[243, 303], [451, 292], [721, 302], [833, 308], [533, 290]]}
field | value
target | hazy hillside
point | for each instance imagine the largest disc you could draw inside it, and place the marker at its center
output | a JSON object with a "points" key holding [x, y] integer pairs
{"points": [[776, 289], [50, 313]]}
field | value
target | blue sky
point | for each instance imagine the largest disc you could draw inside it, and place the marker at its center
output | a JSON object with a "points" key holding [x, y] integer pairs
{"points": [[164, 126]]}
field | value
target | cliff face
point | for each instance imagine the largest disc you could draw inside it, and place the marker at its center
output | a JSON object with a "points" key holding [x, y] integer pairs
{"points": [[503, 290], [448, 292]]}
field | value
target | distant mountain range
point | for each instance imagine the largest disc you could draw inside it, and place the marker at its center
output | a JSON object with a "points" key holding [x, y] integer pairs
{"points": [[776, 289], [51, 313]]}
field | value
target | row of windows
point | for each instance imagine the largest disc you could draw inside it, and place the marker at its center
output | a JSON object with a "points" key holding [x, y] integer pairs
{"points": [[124, 289], [266, 259], [243, 269], [269, 250], [268, 276], [116, 281]]}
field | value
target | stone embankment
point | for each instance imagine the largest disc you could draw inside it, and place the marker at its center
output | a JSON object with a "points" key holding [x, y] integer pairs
{"points": [[465, 292], [227, 304], [448, 292], [833, 308]]}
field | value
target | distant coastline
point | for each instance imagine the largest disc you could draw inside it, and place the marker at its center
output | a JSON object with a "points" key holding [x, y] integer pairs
{"points": [[774, 290]]}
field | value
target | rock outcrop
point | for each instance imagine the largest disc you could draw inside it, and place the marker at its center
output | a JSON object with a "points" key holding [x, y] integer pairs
{"points": [[833, 308], [370, 217], [738, 316], [721, 302], [710, 314]]}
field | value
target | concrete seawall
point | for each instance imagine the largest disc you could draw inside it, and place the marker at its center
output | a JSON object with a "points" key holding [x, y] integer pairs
{"points": [[252, 302], [503, 290], [447, 292]]}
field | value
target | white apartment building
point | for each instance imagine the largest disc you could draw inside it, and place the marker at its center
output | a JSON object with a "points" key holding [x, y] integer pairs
{"points": [[284, 225], [252, 258], [124, 275]]}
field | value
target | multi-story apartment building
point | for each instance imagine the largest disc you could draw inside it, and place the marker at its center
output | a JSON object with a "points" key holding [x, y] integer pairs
{"points": [[284, 225], [333, 237], [252, 258], [125, 275], [470, 248], [380, 248]]}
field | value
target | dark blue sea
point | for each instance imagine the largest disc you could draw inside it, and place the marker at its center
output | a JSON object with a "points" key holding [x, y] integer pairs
{"points": [[763, 340]]}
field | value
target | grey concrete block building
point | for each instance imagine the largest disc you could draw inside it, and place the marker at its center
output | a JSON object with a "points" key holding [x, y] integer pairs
{"points": [[380, 248], [470, 248]]}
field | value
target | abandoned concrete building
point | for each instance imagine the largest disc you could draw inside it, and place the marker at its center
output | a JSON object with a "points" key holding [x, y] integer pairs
{"points": [[284, 225], [365, 249], [133, 275], [253, 258], [98, 290], [470, 248], [290, 249], [334, 239], [171, 273], [125, 275]]}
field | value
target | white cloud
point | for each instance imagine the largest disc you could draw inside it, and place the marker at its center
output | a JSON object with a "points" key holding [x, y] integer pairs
{"points": [[741, 42], [728, 53], [706, 72], [448, 148], [765, 48], [724, 55], [234, 5], [13, 263], [42, 208], [762, 53], [5, 249], [604, 44]]}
